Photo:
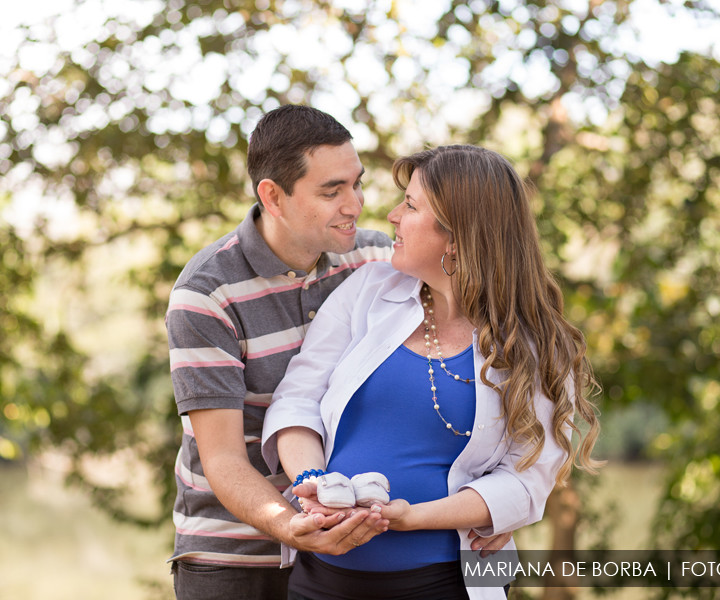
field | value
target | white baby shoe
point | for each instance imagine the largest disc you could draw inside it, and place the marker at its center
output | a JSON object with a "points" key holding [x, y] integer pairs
{"points": [[334, 490], [371, 488]]}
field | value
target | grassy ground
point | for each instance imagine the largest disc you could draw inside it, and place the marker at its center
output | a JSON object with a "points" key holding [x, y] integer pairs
{"points": [[55, 545], [623, 498]]}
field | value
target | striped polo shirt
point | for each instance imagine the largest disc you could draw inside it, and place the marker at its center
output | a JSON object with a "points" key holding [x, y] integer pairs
{"points": [[237, 314]]}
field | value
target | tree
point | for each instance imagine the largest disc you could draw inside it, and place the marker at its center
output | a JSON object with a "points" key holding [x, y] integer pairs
{"points": [[136, 124]]}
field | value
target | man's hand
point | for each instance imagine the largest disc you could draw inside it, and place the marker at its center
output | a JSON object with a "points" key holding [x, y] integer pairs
{"points": [[488, 545], [335, 534]]}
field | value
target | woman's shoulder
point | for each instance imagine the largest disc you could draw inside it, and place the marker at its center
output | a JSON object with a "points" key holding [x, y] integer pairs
{"points": [[378, 269], [380, 273], [372, 279]]}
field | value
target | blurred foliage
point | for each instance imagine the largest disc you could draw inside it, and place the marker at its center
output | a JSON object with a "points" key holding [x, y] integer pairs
{"points": [[132, 125]]}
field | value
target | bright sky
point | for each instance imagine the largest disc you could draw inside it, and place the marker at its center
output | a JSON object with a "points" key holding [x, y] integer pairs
{"points": [[653, 35]]}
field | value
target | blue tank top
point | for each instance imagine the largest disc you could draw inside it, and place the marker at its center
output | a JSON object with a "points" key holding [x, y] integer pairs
{"points": [[390, 426]]}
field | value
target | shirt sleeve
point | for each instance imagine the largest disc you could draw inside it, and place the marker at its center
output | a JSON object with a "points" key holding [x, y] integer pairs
{"points": [[205, 353], [517, 498]]}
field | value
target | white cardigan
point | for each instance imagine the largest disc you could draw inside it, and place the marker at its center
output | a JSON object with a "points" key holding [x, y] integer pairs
{"points": [[357, 328]]}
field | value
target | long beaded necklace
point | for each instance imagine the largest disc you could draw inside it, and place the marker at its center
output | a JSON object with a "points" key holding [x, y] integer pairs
{"points": [[431, 333]]}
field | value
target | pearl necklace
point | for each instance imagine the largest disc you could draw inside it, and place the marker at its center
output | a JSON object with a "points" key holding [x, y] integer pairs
{"points": [[430, 326]]}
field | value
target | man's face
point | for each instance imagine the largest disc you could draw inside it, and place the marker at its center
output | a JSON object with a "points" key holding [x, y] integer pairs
{"points": [[320, 214]]}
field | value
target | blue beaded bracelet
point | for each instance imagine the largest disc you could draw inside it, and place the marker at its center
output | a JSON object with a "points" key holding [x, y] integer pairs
{"points": [[307, 474]]}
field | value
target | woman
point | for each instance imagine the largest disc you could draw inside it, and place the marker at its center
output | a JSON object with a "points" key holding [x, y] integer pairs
{"points": [[451, 371]]}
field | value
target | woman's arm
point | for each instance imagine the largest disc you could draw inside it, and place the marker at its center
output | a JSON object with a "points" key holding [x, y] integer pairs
{"points": [[517, 498], [299, 449], [296, 400], [458, 511]]}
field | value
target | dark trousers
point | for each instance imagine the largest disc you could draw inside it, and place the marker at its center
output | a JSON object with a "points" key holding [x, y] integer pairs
{"points": [[210, 582]]}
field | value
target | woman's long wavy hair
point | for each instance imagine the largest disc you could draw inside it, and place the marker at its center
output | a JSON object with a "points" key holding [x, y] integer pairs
{"points": [[508, 294]]}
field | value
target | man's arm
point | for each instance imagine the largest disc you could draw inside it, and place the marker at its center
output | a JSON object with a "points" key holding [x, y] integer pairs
{"points": [[246, 493], [488, 545]]}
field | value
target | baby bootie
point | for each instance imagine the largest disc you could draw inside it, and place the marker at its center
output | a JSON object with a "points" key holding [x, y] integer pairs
{"points": [[334, 490], [371, 488]]}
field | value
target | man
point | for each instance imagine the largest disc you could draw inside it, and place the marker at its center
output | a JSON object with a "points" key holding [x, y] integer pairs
{"points": [[237, 314]]}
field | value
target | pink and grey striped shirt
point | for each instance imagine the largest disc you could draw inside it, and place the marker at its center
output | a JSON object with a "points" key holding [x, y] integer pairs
{"points": [[237, 314]]}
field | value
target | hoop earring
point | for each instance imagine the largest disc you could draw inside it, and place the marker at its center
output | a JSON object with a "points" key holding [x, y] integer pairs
{"points": [[442, 264]]}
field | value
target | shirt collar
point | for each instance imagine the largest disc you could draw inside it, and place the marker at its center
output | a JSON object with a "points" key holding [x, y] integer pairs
{"points": [[407, 288], [261, 258]]}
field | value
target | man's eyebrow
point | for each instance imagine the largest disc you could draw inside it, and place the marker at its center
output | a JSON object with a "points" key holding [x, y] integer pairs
{"points": [[335, 182]]}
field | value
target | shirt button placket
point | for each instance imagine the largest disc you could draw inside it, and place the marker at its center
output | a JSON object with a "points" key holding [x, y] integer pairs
{"points": [[306, 299]]}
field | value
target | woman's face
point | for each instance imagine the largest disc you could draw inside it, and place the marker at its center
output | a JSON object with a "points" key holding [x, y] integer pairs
{"points": [[419, 240]]}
